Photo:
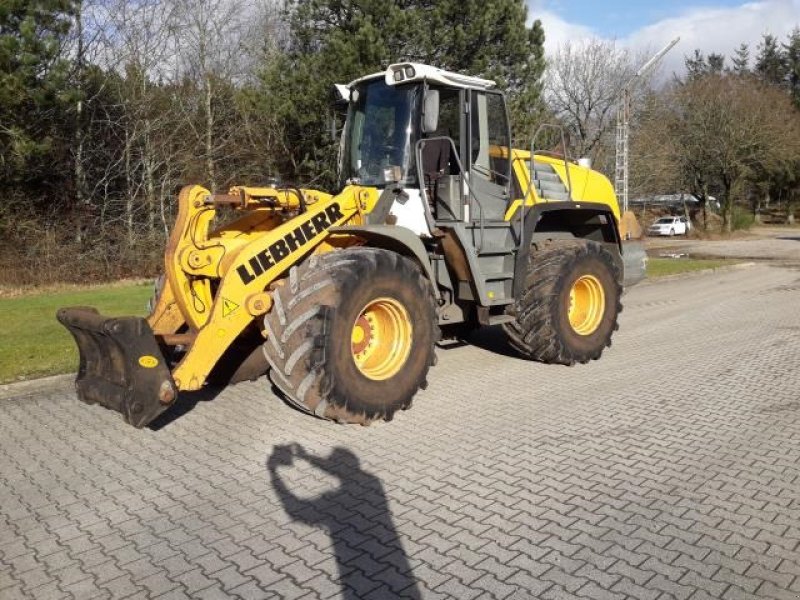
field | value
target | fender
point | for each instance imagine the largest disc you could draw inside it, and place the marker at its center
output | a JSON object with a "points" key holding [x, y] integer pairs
{"points": [[249, 270], [581, 210], [396, 239]]}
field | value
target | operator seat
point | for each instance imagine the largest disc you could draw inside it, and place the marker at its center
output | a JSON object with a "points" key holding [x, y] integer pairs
{"points": [[436, 157]]}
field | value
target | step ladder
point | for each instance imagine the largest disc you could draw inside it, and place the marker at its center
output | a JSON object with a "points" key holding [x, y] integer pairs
{"points": [[547, 183], [495, 259]]}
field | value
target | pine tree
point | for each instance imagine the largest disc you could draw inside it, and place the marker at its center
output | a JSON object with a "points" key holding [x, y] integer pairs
{"points": [[696, 65], [334, 42], [716, 63], [699, 65], [489, 39], [526, 104], [791, 51], [33, 85], [770, 62], [741, 60]]}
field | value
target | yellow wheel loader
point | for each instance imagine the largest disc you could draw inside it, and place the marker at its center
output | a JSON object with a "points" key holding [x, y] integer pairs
{"points": [[437, 224]]}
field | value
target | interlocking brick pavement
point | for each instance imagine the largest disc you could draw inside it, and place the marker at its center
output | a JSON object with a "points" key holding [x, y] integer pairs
{"points": [[668, 469]]}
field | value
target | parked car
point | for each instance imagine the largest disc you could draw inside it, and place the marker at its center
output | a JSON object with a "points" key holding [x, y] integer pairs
{"points": [[670, 226]]}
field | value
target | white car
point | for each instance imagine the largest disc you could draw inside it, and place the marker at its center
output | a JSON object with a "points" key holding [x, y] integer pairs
{"points": [[669, 226]]}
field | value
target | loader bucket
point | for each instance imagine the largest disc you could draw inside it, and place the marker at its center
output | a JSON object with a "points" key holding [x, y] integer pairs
{"points": [[121, 365]]}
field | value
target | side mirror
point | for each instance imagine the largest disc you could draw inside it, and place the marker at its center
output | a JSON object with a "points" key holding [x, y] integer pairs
{"points": [[430, 112], [340, 94], [339, 99]]}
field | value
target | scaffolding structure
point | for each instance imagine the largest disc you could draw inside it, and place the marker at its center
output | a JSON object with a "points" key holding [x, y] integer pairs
{"points": [[623, 126]]}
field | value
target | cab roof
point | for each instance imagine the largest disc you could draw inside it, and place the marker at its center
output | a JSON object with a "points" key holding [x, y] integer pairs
{"points": [[409, 72]]}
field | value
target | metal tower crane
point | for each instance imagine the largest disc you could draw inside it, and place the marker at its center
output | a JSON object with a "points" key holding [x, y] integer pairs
{"points": [[623, 126]]}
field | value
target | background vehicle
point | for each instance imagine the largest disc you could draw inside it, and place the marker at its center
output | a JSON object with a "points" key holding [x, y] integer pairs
{"points": [[437, 224], [669, 226]]}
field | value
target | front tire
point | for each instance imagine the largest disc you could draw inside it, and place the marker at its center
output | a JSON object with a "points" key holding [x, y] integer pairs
{"points": [[351, 334], [568, 310]]}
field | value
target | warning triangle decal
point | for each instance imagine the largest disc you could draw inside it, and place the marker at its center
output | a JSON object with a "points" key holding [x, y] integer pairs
{"points": [[228, 307]]}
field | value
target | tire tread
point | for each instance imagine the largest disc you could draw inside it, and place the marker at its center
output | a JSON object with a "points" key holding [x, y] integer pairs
{"points": [[535, 333], [300, 322]]}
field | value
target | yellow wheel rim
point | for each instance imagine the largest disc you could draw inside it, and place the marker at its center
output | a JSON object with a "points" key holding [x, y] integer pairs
{"points": [[587, 303], [380, 341]]}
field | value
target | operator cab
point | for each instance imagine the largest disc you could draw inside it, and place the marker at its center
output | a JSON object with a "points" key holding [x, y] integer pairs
{"points": [[443, 137]]}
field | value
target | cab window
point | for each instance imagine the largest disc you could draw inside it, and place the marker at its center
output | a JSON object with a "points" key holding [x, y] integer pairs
{"points": [[449, 116], [489, 133]]}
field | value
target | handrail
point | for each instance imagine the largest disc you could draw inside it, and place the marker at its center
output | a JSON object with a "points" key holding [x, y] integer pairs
{"points": [[560, 129], [419, 146], [523, 207]]}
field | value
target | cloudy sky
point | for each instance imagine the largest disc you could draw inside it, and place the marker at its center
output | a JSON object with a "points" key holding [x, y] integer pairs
{"points": [[711, 25]]}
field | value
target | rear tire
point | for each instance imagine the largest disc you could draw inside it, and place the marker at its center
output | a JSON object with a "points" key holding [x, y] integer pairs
{"points": [[551, 326], [351, 334]]}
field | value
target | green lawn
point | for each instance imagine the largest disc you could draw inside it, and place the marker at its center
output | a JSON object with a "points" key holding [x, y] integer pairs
{"points": [[33, 343], [660, 267]]}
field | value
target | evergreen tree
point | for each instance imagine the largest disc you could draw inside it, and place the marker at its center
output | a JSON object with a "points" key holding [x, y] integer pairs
{"points": [[770, 62], [716, 63], [526, 104], [741, 60], [699, 65], [791, 50], [33, 83], [334, 42], [696, 65]]}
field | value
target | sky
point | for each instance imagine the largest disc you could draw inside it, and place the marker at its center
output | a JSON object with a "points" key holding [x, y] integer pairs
{"points": [[711, 26]]}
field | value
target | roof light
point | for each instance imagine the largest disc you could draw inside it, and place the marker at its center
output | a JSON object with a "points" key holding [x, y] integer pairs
{"points": [[410, 72], [398, 75]]}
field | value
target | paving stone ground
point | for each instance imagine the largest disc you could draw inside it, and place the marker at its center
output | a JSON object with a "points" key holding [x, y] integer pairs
{"points": [[668, 469]]}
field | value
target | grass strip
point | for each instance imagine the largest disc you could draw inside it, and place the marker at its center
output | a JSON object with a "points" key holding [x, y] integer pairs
{"points": [[33, 343], [661, 267]]}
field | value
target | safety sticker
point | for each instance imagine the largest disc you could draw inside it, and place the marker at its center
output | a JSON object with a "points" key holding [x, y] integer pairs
{"points": [[228, 307]]}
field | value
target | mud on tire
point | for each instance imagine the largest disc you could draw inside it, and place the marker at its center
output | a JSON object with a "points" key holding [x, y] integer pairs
{"points": [[310, 330], [542, 330]]}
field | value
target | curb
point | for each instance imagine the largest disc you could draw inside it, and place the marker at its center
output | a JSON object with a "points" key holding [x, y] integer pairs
{"points": [[35, 386]]}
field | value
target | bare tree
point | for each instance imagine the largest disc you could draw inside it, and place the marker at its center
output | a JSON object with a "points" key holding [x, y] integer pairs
{"points": [[654, 165], [583, 85], [138, 44], [728, 132], [213, 40]]}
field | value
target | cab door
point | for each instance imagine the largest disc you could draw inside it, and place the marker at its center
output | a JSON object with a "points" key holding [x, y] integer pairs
{"points": [[488, 156]]}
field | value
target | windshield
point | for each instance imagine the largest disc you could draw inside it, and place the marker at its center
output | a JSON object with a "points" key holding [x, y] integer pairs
{"points": [[665, 221], [379, 138]]}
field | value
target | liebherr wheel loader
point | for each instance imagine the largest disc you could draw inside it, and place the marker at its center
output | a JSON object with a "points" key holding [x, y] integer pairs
{"points": [[437, 224]]}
